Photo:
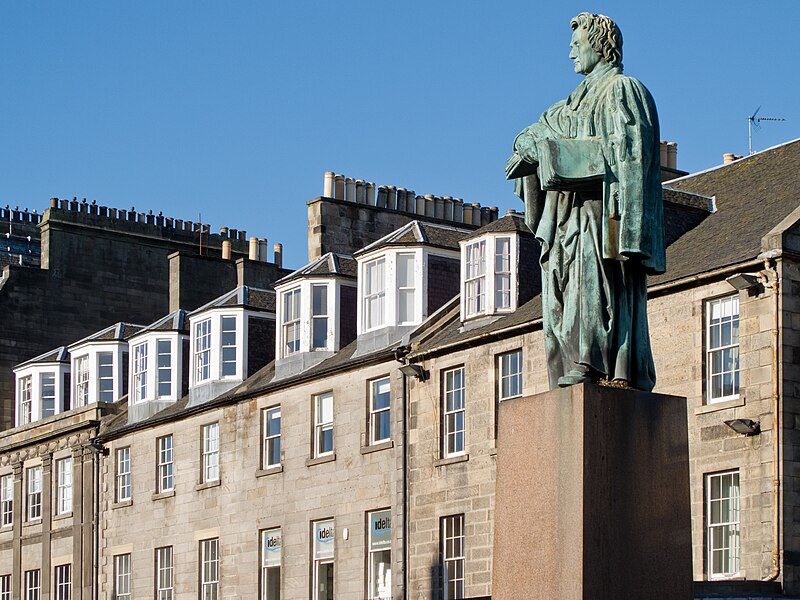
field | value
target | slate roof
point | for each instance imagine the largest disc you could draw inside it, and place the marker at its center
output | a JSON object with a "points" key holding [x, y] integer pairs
{"points": [[174, 321], [751, 196], [328, 265], [119, 332], [417, 233], [59, 355], [511, 223], [244, 296]]}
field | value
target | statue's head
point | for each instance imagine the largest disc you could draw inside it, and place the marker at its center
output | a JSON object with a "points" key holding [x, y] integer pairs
{"points": [[595, 39]]}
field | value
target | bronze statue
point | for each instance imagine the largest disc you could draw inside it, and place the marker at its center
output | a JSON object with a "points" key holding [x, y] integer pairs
{"points": [[588, 171]]}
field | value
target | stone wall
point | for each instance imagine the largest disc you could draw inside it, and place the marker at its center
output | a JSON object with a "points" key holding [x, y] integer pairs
{"points": [[249, 499]]}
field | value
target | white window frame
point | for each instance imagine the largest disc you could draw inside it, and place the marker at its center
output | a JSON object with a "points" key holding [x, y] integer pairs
{"points": [[475, 278], [202, 351], [322, 553], [379, 544], [7, 500], [123, 487], [63, 485], [226, 347], [165, 475], [33, 584], [209, 569], [454, 405], [406, 290], [290, 326], [378, 415], [727, 527], [47, 381], [211, 452], [716, 353], [62, 582], [272, 440], [374, 294], [122, 577], [33, 482], [509, 379], [163, 372], [26, 399], [82, 380], [164, 567], [271, 551], [503, 296], [322, 425], [108, 394], [139, 383], [453, 556], [322, 316], [5, 587]]}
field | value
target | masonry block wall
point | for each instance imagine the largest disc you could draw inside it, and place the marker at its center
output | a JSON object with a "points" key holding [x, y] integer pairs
{"points": [[248, 499]]}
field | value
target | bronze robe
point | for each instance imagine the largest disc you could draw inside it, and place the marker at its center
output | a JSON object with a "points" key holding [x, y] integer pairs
{"points": [[600, 222]]}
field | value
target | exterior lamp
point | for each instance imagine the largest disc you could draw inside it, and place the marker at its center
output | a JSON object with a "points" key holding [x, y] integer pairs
{"points": [[744, 426], [415, 371], [742, 281]]}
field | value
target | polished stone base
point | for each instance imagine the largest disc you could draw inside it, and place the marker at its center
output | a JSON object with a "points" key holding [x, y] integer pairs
{"points": [[592, 497]]}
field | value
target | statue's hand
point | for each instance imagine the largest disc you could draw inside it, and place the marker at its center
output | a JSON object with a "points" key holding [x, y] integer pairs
{"points": [[525, 147]]}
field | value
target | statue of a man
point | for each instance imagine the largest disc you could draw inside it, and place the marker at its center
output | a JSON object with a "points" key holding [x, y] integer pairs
{"points": [[588, 171]]}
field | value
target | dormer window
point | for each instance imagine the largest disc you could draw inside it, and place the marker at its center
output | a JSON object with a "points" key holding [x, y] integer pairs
{"points": [[164, 376], [488, 276], [158, 366], [374, 293], [228, 343], [319, 316], [139, 372], [42, 387], [317, 305], [391, 287], [202, 351], [475, 278], [82, 380], [307, 318], [25, 400], [231, 338], [291, 321]]}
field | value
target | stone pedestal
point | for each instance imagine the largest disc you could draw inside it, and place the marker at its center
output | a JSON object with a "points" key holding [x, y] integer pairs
{"points": [[592, 497]]}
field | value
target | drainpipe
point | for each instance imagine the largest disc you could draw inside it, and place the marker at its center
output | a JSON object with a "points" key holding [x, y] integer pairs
{"points": [[98, 451], [406, 553], [770, 265]]}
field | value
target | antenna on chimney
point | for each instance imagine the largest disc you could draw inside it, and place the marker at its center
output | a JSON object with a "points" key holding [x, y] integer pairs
{"points": [[200, 222], [753, 121]]}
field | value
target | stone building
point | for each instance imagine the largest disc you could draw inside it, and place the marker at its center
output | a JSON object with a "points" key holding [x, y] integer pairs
{"points": [[359, 461]]}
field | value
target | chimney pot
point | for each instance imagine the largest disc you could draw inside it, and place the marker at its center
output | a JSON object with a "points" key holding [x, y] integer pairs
{"points": [[253, 249], [338, 186], [350, 189], [226, 249], [278, 251], [327, 189]]}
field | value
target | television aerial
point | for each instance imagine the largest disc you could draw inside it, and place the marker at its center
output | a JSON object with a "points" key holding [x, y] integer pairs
{"points": [[754, 121]]}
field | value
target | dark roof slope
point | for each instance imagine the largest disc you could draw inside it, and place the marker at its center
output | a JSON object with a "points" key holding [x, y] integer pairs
{"points": [[327, 265], [419, 233], [751, 196], [59, 355], [246, 296], [510, 223], [118, 332], [174, 321]]}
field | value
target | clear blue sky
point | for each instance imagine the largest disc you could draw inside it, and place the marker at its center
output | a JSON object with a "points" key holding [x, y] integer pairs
{"points": [[236, 109]]}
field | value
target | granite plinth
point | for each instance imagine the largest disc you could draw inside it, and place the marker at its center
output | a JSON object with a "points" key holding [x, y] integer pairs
{"points": [[592, 497]]}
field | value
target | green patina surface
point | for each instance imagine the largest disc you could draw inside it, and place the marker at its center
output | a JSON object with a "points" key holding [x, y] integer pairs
{"points": [[588, 171]]}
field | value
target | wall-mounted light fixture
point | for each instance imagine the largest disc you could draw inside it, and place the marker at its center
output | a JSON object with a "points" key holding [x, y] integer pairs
{"points": [[742, 281], [744, 426], [415, 371]]}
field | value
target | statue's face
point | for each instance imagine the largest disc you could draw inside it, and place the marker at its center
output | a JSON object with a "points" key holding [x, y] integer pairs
{"points": [[581, 52]]}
